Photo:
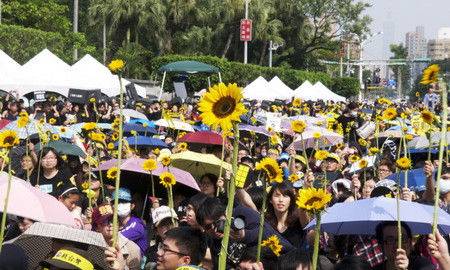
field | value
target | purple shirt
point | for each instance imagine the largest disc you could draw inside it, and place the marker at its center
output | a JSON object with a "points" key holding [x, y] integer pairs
{"points": [[135, 231]]}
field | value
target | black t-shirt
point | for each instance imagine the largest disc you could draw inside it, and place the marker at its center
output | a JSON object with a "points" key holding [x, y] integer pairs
{"points": [[49, 185], [294, 234]]}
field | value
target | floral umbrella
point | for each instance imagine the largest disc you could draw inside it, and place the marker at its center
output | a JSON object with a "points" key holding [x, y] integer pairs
{"points": [[32, 127], [327, 138]]}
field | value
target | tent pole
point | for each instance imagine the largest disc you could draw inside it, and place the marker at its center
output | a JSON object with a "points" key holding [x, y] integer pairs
{"points": [[220, 77], [162, 86]]}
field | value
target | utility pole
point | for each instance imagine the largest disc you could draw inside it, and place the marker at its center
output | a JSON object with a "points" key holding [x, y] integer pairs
{"points": [[75, 27], [104, 41], [270, 53], [0, 11], [348, 59], [399, 85]]}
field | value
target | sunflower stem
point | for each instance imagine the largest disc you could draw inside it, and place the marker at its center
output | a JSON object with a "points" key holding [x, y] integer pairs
{"points": [[231, 193], [316, 241], [441, 152], [119, 163], [100, 175], [153, 184], [304, 152], [261, 221], [221, 164], [5, 206]]}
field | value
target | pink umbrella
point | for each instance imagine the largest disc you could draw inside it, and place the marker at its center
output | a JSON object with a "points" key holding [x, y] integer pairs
{"points": [[135, 165], [30, 202], [203, 137]]}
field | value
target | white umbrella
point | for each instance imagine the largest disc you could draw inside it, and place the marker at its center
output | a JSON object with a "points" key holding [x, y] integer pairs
{"points": [[130, 113], [174, 124], [328, 138]]}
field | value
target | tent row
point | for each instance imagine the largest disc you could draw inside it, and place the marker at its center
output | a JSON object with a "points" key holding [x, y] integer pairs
{"points": [[46, 72], [261, 89]]}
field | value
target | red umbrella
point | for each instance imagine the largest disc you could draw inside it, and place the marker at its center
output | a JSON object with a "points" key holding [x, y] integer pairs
{"points": [[203, 137], [4, 122]]}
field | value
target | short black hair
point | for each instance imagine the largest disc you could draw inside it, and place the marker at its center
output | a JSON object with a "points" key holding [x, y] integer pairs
{"points": [[352, 262], [189, 241], [197, 200], [211, 208], [292, 259], [381, 226]]}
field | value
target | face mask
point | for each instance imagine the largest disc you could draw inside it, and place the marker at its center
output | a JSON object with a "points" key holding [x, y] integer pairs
{"points": [[123, 209], [444, 186]]}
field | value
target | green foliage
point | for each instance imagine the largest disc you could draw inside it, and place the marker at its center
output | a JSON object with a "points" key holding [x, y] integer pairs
{"points": [[23, 43], [239, 73], [345, 86], [46, 15], [137, 59]]}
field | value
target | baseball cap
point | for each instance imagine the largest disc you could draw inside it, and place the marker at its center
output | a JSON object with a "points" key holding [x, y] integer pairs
{"points": [[69, 258], [161, 213], [300, 159], [101, 214], [124, 194]]}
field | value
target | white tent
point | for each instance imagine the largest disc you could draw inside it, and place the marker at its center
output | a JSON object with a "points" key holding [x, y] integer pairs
{"points": [[326, 94], [281, 90], [259, 90], [8, 69], [91, 74], [45, 71], [305, 91]]}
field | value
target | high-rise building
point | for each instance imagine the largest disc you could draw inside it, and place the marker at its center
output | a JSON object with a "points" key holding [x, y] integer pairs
{"points": [[416, 43], [439, 49]]}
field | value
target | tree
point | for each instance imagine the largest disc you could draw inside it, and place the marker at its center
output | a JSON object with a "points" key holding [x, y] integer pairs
{"points": [[400, 52]]}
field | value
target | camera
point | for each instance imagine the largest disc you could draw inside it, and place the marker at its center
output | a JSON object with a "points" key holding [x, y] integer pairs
{"points": [[236, 224]]}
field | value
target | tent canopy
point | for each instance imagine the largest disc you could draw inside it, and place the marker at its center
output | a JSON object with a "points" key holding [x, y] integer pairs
{"points": [[280, 88], [189, 67], [258, 90]]}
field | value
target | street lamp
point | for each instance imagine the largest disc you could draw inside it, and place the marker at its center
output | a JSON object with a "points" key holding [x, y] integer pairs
{"points": [[361, 47], [272, 47]]}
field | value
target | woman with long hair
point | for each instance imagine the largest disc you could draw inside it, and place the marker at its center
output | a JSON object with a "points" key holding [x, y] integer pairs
{"points": [[282, 213]]}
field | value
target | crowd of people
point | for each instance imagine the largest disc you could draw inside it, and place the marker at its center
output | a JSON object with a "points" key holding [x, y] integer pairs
{"points": [[153, 235]]}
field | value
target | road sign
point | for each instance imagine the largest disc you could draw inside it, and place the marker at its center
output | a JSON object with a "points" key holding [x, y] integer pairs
{"points": [[246, 30]]}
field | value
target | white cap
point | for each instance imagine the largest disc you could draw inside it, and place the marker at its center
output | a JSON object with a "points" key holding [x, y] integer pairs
{"points": [[161, 213]]}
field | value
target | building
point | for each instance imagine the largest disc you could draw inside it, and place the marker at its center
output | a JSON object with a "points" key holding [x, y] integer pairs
{"points": [[388, 39], [416, 44], [439, 49]]}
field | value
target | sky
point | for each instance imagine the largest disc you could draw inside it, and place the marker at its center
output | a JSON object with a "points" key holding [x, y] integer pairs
{"points": [[405, 15]]}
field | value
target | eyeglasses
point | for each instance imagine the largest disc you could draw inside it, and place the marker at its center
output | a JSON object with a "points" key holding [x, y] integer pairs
{"points": [[162, 247]]}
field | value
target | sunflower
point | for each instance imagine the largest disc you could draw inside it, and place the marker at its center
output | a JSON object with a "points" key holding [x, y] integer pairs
{"points": [[390, 113], [115, 136], [317, 135], [362, 142], [313, 199], [293, 178], [133, 132], [271, 168], [321, 154], [273, 243], [296, 103], [353, 158], [92, 100], [417, 94], [384, 101], [91, 161], [8, 139], [156, 151], [274, 139], [110, 146], [166, 161], [427, 116], [270, 129], [23, 121], [403, 163], [64, 157], [97, 137], [373, 151], [116, 65], [339, 146], [112, 173], [23, 114], [409, 137], [362, 164], [63, 129], [149, 164], [182, 146], [55, 137], [221, 106], [167, 179], [85, 185], [430, 74], [298, 126], [89, 126], [41, 121], [52, 121], [116, 120]]}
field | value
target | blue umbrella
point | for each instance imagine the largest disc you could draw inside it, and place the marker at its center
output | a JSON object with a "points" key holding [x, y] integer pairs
{"points": [[144, 141], [141, 122], [127, 127], [32, 127], [363, 216], [416, 178]]}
